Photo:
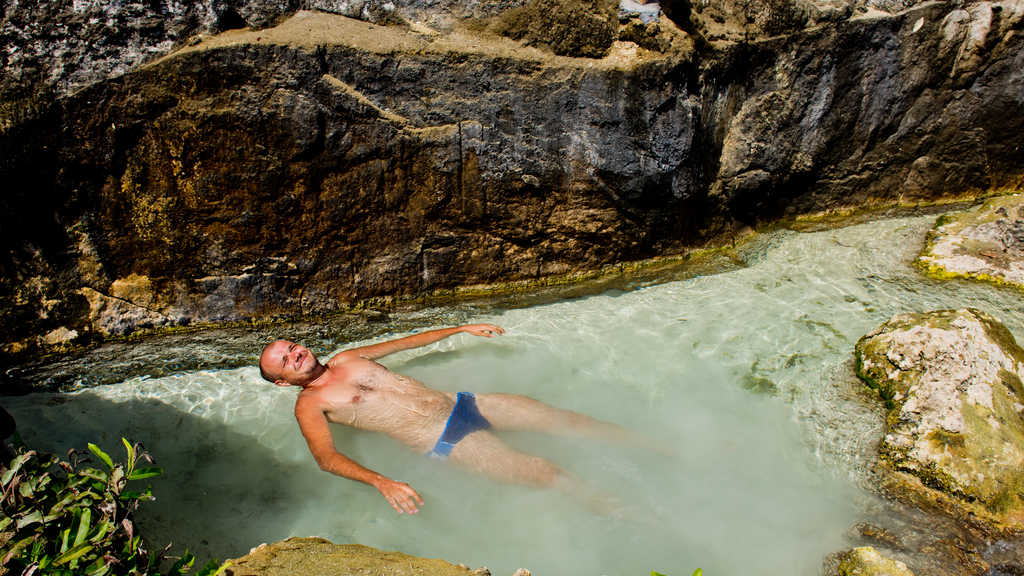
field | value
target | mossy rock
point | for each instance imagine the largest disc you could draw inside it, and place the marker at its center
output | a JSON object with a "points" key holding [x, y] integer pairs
{"points": [[985, 243], [316, 556], [578, 28], [952, 382], [866, 561]]}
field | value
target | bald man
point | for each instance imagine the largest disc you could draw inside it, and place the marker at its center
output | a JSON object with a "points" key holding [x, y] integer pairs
{"points": [[353, 389]]}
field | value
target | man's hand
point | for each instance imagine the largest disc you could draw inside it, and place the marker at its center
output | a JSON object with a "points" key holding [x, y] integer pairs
{"points": [[401, 496], [485, 330]]}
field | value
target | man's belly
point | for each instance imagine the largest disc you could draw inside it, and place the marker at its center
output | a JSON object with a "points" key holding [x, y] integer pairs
{"points": [[415, 419]]}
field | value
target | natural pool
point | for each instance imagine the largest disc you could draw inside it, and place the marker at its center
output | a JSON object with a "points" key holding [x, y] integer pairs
{"points": [[745, 375]]}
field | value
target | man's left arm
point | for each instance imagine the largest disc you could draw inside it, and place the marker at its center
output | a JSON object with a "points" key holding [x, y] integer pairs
{"points": [[374, 351]]}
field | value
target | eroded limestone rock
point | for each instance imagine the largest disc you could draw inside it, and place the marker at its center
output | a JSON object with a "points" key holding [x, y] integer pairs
{"points": [[952, 380], [986, 243], [316, 556]]}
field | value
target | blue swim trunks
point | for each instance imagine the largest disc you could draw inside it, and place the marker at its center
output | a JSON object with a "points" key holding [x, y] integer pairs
{"points": [[464, 420]]}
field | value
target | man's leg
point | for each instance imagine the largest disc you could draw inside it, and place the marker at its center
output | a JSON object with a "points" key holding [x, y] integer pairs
{"points": [[486, 454], [516, 412]]}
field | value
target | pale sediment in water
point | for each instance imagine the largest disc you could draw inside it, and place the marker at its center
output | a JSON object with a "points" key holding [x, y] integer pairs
{"points": [[764, 483]]}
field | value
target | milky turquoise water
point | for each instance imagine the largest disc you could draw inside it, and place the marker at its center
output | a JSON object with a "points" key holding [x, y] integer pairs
{"points": [[744, 378]]}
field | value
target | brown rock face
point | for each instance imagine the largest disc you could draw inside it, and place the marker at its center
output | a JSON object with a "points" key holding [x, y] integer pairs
{"points": [[325, 161]]}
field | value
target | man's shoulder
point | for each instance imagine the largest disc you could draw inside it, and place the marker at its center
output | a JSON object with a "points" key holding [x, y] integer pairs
{"points": [[344, 356], [309, 398]]}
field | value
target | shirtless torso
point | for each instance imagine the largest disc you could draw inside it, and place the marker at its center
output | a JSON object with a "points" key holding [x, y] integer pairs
{"points": [[363, 394], [354, 390]]}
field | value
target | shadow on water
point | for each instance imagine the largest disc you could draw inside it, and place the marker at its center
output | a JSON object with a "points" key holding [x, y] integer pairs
{"points": [[222, 492]]}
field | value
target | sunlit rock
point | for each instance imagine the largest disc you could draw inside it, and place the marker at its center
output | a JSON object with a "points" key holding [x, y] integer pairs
{"points": [[319, 557], [866, 561], [986, 243], [952, 381]]}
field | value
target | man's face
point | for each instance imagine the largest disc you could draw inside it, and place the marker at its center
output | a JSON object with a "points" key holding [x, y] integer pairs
{"points": [[289, 363]]}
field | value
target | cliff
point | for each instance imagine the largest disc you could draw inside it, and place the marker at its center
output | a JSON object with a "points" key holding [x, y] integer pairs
{"points": [[312, 161]]}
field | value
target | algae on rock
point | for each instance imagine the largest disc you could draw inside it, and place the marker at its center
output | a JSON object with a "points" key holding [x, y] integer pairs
{"points": [[985, 243], [296, 556], [866, 561], [952, 381]]}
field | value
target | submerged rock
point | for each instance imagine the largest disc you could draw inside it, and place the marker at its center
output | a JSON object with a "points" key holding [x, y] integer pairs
{"points": [[866, 561], [952, 381], [317, 556], [986, 243]]}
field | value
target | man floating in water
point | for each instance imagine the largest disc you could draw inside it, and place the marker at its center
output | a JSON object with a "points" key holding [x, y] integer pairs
{"points": [[353, 389]]}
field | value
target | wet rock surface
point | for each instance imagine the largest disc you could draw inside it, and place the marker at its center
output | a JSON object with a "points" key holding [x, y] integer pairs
{"points": [[955, 434], [319, 556], [866, 561], [985, 243]]}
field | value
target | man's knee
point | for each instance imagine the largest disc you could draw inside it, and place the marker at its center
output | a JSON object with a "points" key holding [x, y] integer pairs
{"points": [[546, 474]]}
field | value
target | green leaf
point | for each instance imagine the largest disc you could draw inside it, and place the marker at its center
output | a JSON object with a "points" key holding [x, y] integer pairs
{"points": [[64, 540], [135, 495], [101, 530], [213, 569], [83, 526], [73, 554], [143, 473], [101, 455], [17, 548], [183, 565], [131, 452], [5, 522], [698, 572], [26, 489], [656, 573], [16, 465], [29, 519], [98, 568], [104, 569]]}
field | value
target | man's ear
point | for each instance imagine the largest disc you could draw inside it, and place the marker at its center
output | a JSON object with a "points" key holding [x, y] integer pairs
{"points": [[281, 383]]}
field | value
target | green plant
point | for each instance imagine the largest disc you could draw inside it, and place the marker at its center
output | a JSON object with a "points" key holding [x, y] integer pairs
{"points": [[68, 518]]}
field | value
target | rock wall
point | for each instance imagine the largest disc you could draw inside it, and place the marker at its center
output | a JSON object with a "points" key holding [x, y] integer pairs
{"points": [[327, 161]]}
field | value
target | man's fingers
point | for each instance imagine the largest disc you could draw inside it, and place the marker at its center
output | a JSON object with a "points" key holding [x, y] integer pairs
{"points": [[413, 494], [486, 330], [403, 498]]}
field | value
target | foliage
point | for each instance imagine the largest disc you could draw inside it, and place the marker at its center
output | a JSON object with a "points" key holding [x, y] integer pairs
{"points": [[697, 572], [66, 517]]}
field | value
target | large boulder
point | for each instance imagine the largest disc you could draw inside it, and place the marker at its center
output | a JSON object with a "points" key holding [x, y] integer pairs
{"points": [[316, 556], [952, 381], [985, 243]]}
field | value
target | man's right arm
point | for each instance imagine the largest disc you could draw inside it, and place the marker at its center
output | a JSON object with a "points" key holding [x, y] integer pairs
{"points": [[374, 351], [317, 433]]}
